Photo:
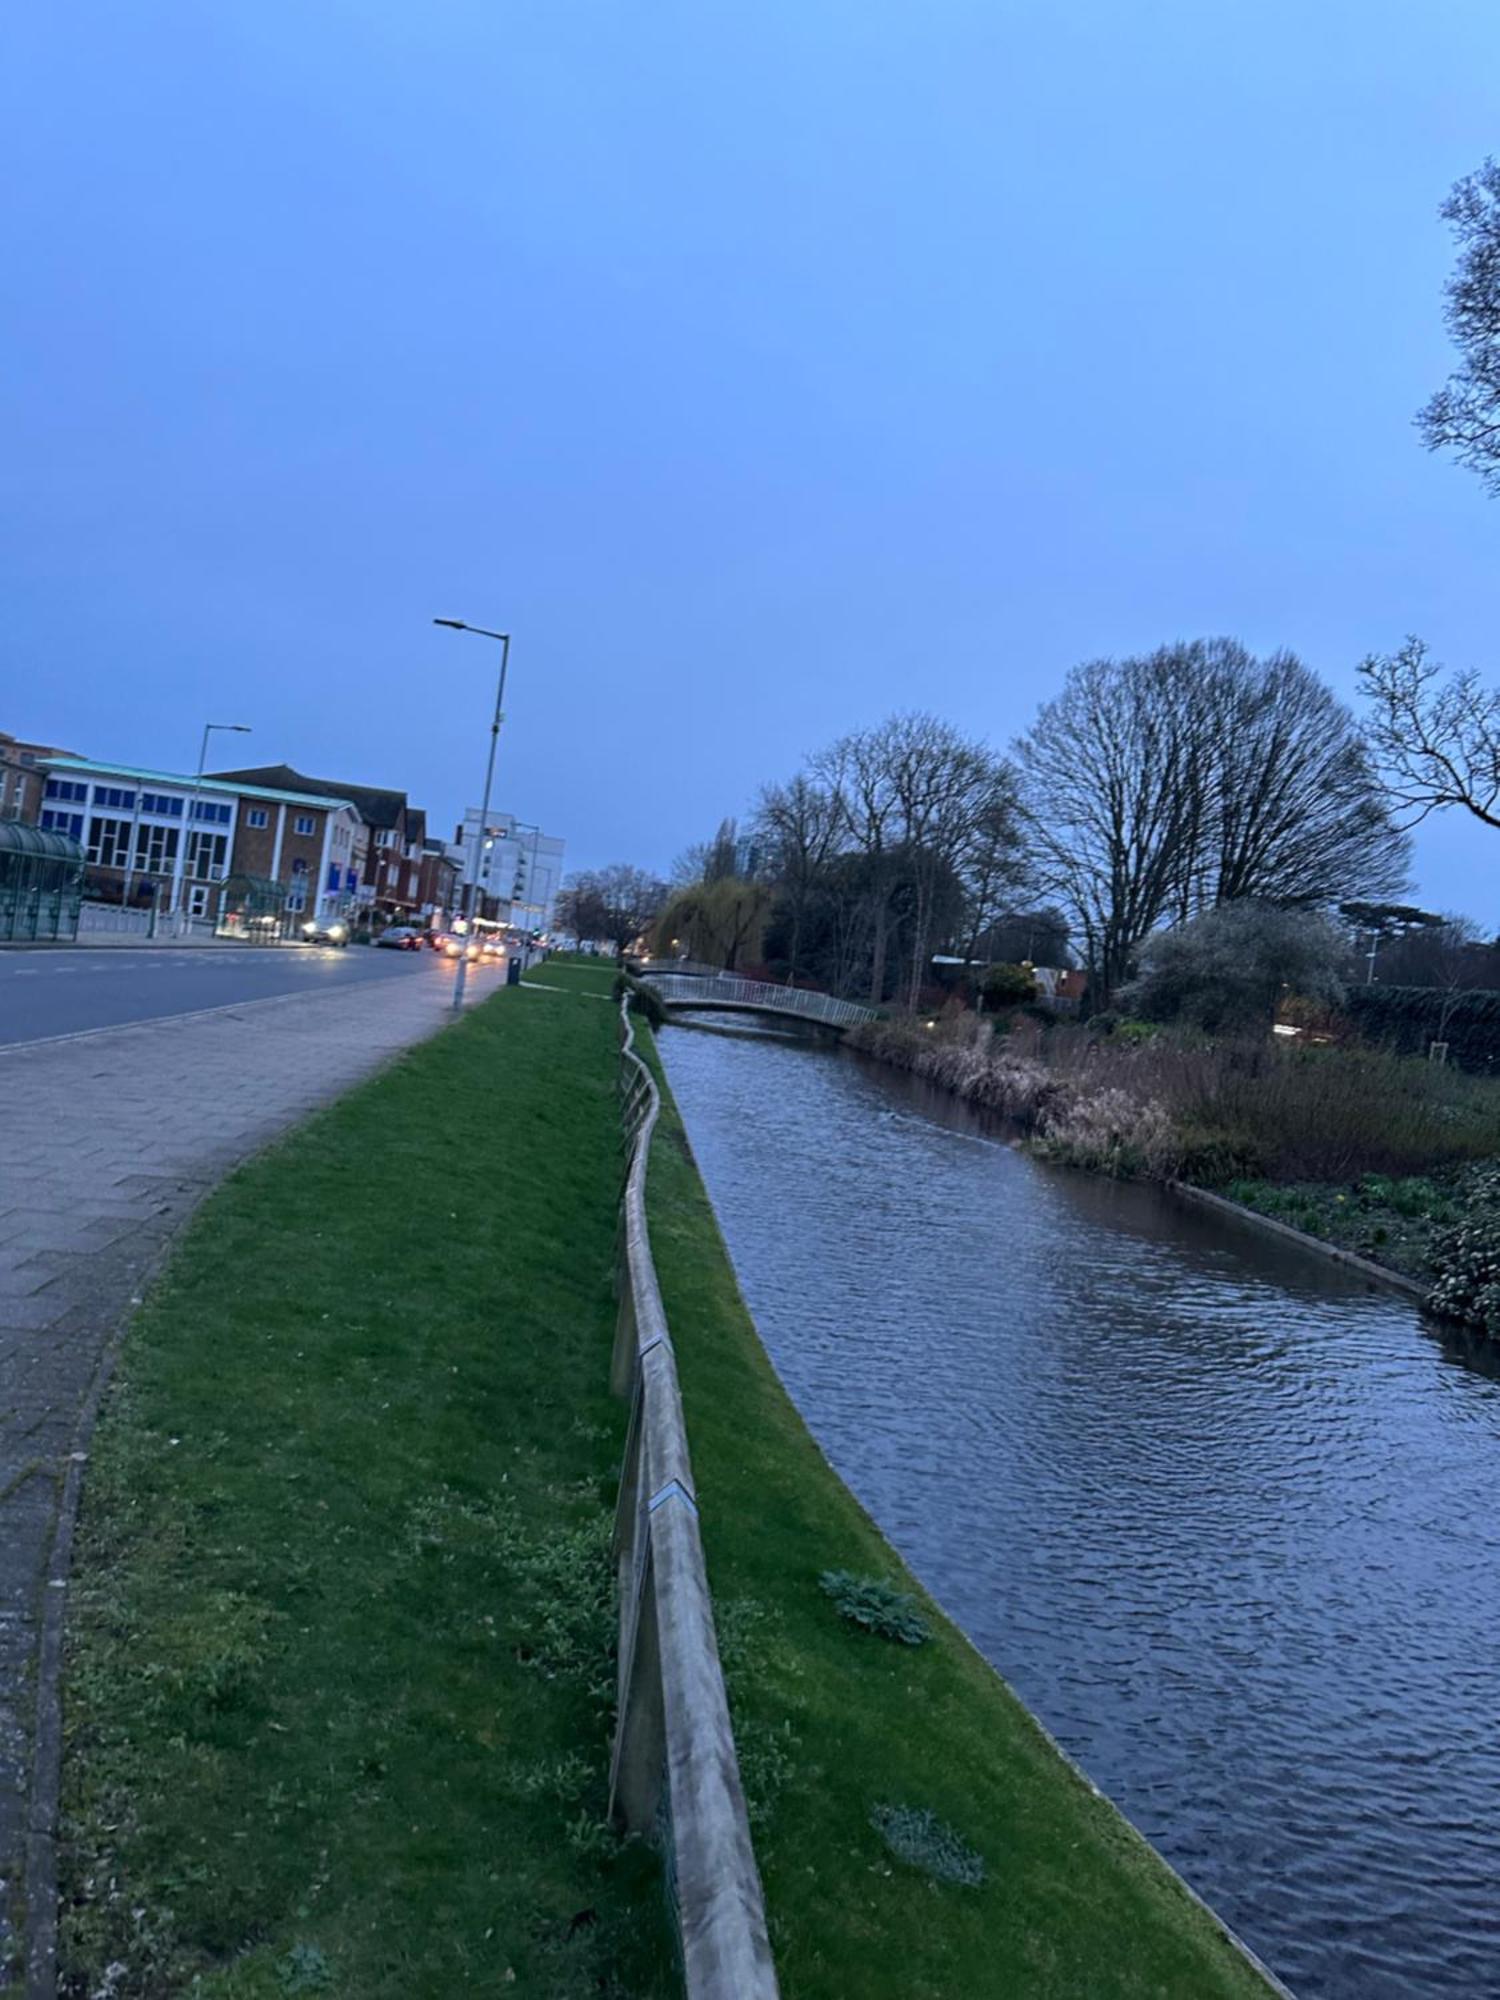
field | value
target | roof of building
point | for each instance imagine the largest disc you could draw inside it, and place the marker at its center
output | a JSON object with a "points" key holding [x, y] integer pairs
{"points": [[375, 804], [209, 782]]}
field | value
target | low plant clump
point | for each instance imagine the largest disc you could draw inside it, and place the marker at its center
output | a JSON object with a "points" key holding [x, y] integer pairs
{"points": [[877, 1606]]}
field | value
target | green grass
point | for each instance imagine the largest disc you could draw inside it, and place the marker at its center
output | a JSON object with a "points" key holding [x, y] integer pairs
{"points": [[837, 1726], [340, 1648], [339, 1667], [1392, 1219]]}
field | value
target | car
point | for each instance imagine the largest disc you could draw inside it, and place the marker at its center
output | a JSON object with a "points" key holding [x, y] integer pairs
{"points": [[457, 947], [400, 937], [494, 947], [325, 930], [435, 940]]}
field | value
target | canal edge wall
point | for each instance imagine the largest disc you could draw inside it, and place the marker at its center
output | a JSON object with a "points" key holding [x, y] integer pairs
{"points": [[1231, 1937], [1366, 1267]]}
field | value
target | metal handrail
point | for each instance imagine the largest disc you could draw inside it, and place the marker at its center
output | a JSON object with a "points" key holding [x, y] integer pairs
{"points": [[674, 1757], [679, 989]]}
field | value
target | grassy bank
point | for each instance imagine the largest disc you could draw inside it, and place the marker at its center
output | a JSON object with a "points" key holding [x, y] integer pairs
{"points": [[340, 1659], [339, 1670], [835, 1724]]}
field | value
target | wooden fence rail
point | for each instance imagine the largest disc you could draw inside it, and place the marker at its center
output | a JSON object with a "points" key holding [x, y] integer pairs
{"points": [[674, 1763]]}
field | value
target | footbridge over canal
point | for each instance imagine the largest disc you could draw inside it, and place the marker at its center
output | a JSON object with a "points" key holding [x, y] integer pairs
{"points": [[725, 992]]}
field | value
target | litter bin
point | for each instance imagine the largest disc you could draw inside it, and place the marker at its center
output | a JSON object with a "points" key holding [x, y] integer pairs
{"points": [[513, 972]]}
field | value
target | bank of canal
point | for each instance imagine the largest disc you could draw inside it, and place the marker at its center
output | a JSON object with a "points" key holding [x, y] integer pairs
{"points": [[1221, 1513]]}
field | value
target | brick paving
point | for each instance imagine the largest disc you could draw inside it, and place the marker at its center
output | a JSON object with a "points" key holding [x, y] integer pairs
{"points": [[111, 1140]]}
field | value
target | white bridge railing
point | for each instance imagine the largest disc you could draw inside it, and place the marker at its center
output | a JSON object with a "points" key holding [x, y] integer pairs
{"points": [[674, 1764], [725, 989]]}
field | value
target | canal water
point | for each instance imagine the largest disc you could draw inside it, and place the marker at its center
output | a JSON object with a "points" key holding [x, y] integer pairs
{"points": [[1226, 1518]]}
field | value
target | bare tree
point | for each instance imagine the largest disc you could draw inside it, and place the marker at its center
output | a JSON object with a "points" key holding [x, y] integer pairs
{"points": [[1464, 416], [1295, 811], [799, 825], [1437, 740], [614, 905], [870, 812], [1160, 787], [1104, 788]]}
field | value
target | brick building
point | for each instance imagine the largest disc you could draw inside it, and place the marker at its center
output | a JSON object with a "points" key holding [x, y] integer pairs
{"points": [[390, 879], [437, 882], [164, 837], [21, 777]]}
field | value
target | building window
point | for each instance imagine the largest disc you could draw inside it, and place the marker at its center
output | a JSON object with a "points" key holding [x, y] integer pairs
{"points": [[155, 848], [213, 812], [65, 788], [62, 822], [109, 842], [162, 803], [257, 817], [206, 855], [303, 823], [115, 796]]}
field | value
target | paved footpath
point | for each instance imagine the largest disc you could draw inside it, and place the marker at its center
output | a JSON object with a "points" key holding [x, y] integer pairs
{"points": [[110, 1140]]}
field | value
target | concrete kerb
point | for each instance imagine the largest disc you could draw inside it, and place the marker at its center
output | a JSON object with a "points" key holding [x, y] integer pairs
{"points": [[1379, 1274], [41, 1904]]}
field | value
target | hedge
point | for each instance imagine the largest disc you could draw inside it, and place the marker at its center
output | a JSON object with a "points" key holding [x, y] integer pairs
{"points": [[1408, 1018]]}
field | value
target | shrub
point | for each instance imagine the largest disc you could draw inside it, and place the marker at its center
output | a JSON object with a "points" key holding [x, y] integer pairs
{"points": [[1006, 986], [1209, 1158], [876, 1606], [1466, 1257], [1409, 1018], [1230, 967], [644, 999]]}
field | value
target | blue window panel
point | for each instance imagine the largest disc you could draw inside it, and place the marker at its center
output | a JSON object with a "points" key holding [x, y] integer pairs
{"points": [[65, 788], [333, 874], [212, 812], [115, 797], [162, 804], [62, 822]]}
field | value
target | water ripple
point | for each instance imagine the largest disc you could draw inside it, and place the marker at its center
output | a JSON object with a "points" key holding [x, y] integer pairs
{"points": [[1221, 1513]]}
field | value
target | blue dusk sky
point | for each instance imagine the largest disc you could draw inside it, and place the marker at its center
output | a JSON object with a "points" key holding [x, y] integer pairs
{"points": [[764, 368]]}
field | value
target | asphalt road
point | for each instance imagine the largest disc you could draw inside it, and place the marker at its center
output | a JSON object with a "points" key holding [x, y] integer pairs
{"points": [[45, 995]]}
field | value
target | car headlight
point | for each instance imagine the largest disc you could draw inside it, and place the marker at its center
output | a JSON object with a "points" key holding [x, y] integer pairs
{"points": [[337, 931], [309, 930]]}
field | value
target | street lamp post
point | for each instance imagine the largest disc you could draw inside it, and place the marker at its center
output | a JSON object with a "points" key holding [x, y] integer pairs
{"points": [[503, 638], [230, 729]]}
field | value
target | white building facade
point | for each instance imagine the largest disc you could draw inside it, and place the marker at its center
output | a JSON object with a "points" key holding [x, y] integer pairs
{"points": [[513, 862]]}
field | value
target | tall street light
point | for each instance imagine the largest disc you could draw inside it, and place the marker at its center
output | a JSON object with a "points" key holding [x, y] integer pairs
{"points": [[480, 632], [228, 729]]}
